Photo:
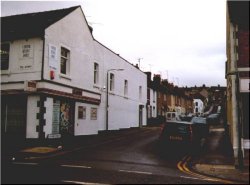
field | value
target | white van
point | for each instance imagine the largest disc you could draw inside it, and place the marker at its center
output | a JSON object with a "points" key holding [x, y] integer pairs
{"points": [[172, 116]]}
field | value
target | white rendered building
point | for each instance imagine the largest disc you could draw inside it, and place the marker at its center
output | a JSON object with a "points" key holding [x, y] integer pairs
{"points": [[54, 79]]}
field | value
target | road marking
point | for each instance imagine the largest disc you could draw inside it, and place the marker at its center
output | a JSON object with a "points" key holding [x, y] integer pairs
{"points": [[140, 172], [25, 163], [190, 177], [182, 166], [74, 166], [79, 182]]}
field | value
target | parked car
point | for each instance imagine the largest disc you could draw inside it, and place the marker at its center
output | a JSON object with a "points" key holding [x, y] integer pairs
{"points": [[186, 133], [186, 117], [213, 119]]}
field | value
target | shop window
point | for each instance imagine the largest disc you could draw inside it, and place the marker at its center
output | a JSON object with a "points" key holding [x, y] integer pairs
{"points": [[93, 114], [81, 112]]}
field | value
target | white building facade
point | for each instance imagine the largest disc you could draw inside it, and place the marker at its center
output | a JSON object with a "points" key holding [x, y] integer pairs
{"points": [[198, 106], [54, 80]]}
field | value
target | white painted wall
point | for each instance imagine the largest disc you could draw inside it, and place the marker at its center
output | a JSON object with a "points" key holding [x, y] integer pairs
{"points": [[153, 102], [123, 110], [48, 104], [87, 125], [21, 68], [200, 105], [32, 122], [73, 33]]}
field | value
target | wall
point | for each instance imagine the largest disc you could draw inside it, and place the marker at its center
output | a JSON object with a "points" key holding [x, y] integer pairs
{"points": [[123, 110], [32, 121], [84, 51], [85, 125], [76, 38], [153, 102], [24, 68]]}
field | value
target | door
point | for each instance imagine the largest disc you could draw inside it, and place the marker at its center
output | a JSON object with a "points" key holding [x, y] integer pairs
{"points": [[140, 115], [66, 118]]}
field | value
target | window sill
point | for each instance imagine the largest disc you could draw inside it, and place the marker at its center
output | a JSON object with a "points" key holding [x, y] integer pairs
{"points": [[5, 72], [64, 76], [125, 97]]}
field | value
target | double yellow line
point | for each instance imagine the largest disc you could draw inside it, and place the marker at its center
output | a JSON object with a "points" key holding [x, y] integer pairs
{"points": [[182, 166]]}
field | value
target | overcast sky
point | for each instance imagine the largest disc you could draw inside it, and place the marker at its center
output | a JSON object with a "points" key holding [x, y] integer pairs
{"points": [[183, 40]]}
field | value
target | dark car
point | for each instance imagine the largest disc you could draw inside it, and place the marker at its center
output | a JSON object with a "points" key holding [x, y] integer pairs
{"points": [[213, 119], [185, 133]]}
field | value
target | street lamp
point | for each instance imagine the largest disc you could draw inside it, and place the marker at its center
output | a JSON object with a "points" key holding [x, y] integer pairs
{"points": [[107, 104]]}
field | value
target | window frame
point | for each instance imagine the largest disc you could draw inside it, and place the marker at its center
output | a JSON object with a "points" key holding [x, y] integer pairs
{"points": [[140, 92], [111, 82], [96, 73], [8, 61], [67, 59], [126, 88]]}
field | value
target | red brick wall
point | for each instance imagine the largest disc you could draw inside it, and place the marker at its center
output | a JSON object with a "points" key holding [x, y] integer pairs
{"points": [[243, 50]]}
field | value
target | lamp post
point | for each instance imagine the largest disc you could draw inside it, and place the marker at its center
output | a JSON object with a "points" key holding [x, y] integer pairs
{"points": [[107, 103]]}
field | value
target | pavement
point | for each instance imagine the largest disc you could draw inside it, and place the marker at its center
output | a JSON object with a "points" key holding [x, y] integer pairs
{"points": [[216, 159]]}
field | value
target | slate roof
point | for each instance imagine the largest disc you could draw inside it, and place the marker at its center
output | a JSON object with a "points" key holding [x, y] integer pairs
{"points": [[30, 25]]}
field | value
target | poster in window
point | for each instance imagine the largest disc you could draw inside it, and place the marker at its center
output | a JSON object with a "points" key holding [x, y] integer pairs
{"points": [[56, 117], [81, 112], [53, 57], [93, 114]]}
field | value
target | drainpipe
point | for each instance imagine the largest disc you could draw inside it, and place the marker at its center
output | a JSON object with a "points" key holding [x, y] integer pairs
{"points": [[235, 101]]}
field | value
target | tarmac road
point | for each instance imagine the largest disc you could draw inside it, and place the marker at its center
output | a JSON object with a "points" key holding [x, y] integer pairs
{"points": [[129, 157]]}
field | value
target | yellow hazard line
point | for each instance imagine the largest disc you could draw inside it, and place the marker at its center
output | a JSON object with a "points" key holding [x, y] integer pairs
{"points": [[182, 166]]}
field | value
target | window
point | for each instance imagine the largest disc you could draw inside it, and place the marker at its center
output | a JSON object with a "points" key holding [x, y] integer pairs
{"points": [[5, 49], [93, 114], [154, 94], [165, 97], [196, 103], [65, 60], [112, 82], [125, 87], [96, 73], [81, 112], [140, 92], [159, 95]]}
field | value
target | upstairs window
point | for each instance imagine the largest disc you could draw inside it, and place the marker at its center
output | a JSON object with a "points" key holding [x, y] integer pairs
{"points": [[96, 73], [65, 61], [5, 50], [126, 88], [154, 95], [165, 97], [112, 82], [140, 92]]}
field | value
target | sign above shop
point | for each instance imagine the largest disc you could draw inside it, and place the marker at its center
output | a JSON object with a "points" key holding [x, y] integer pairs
{"points": [[30, 85]]}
